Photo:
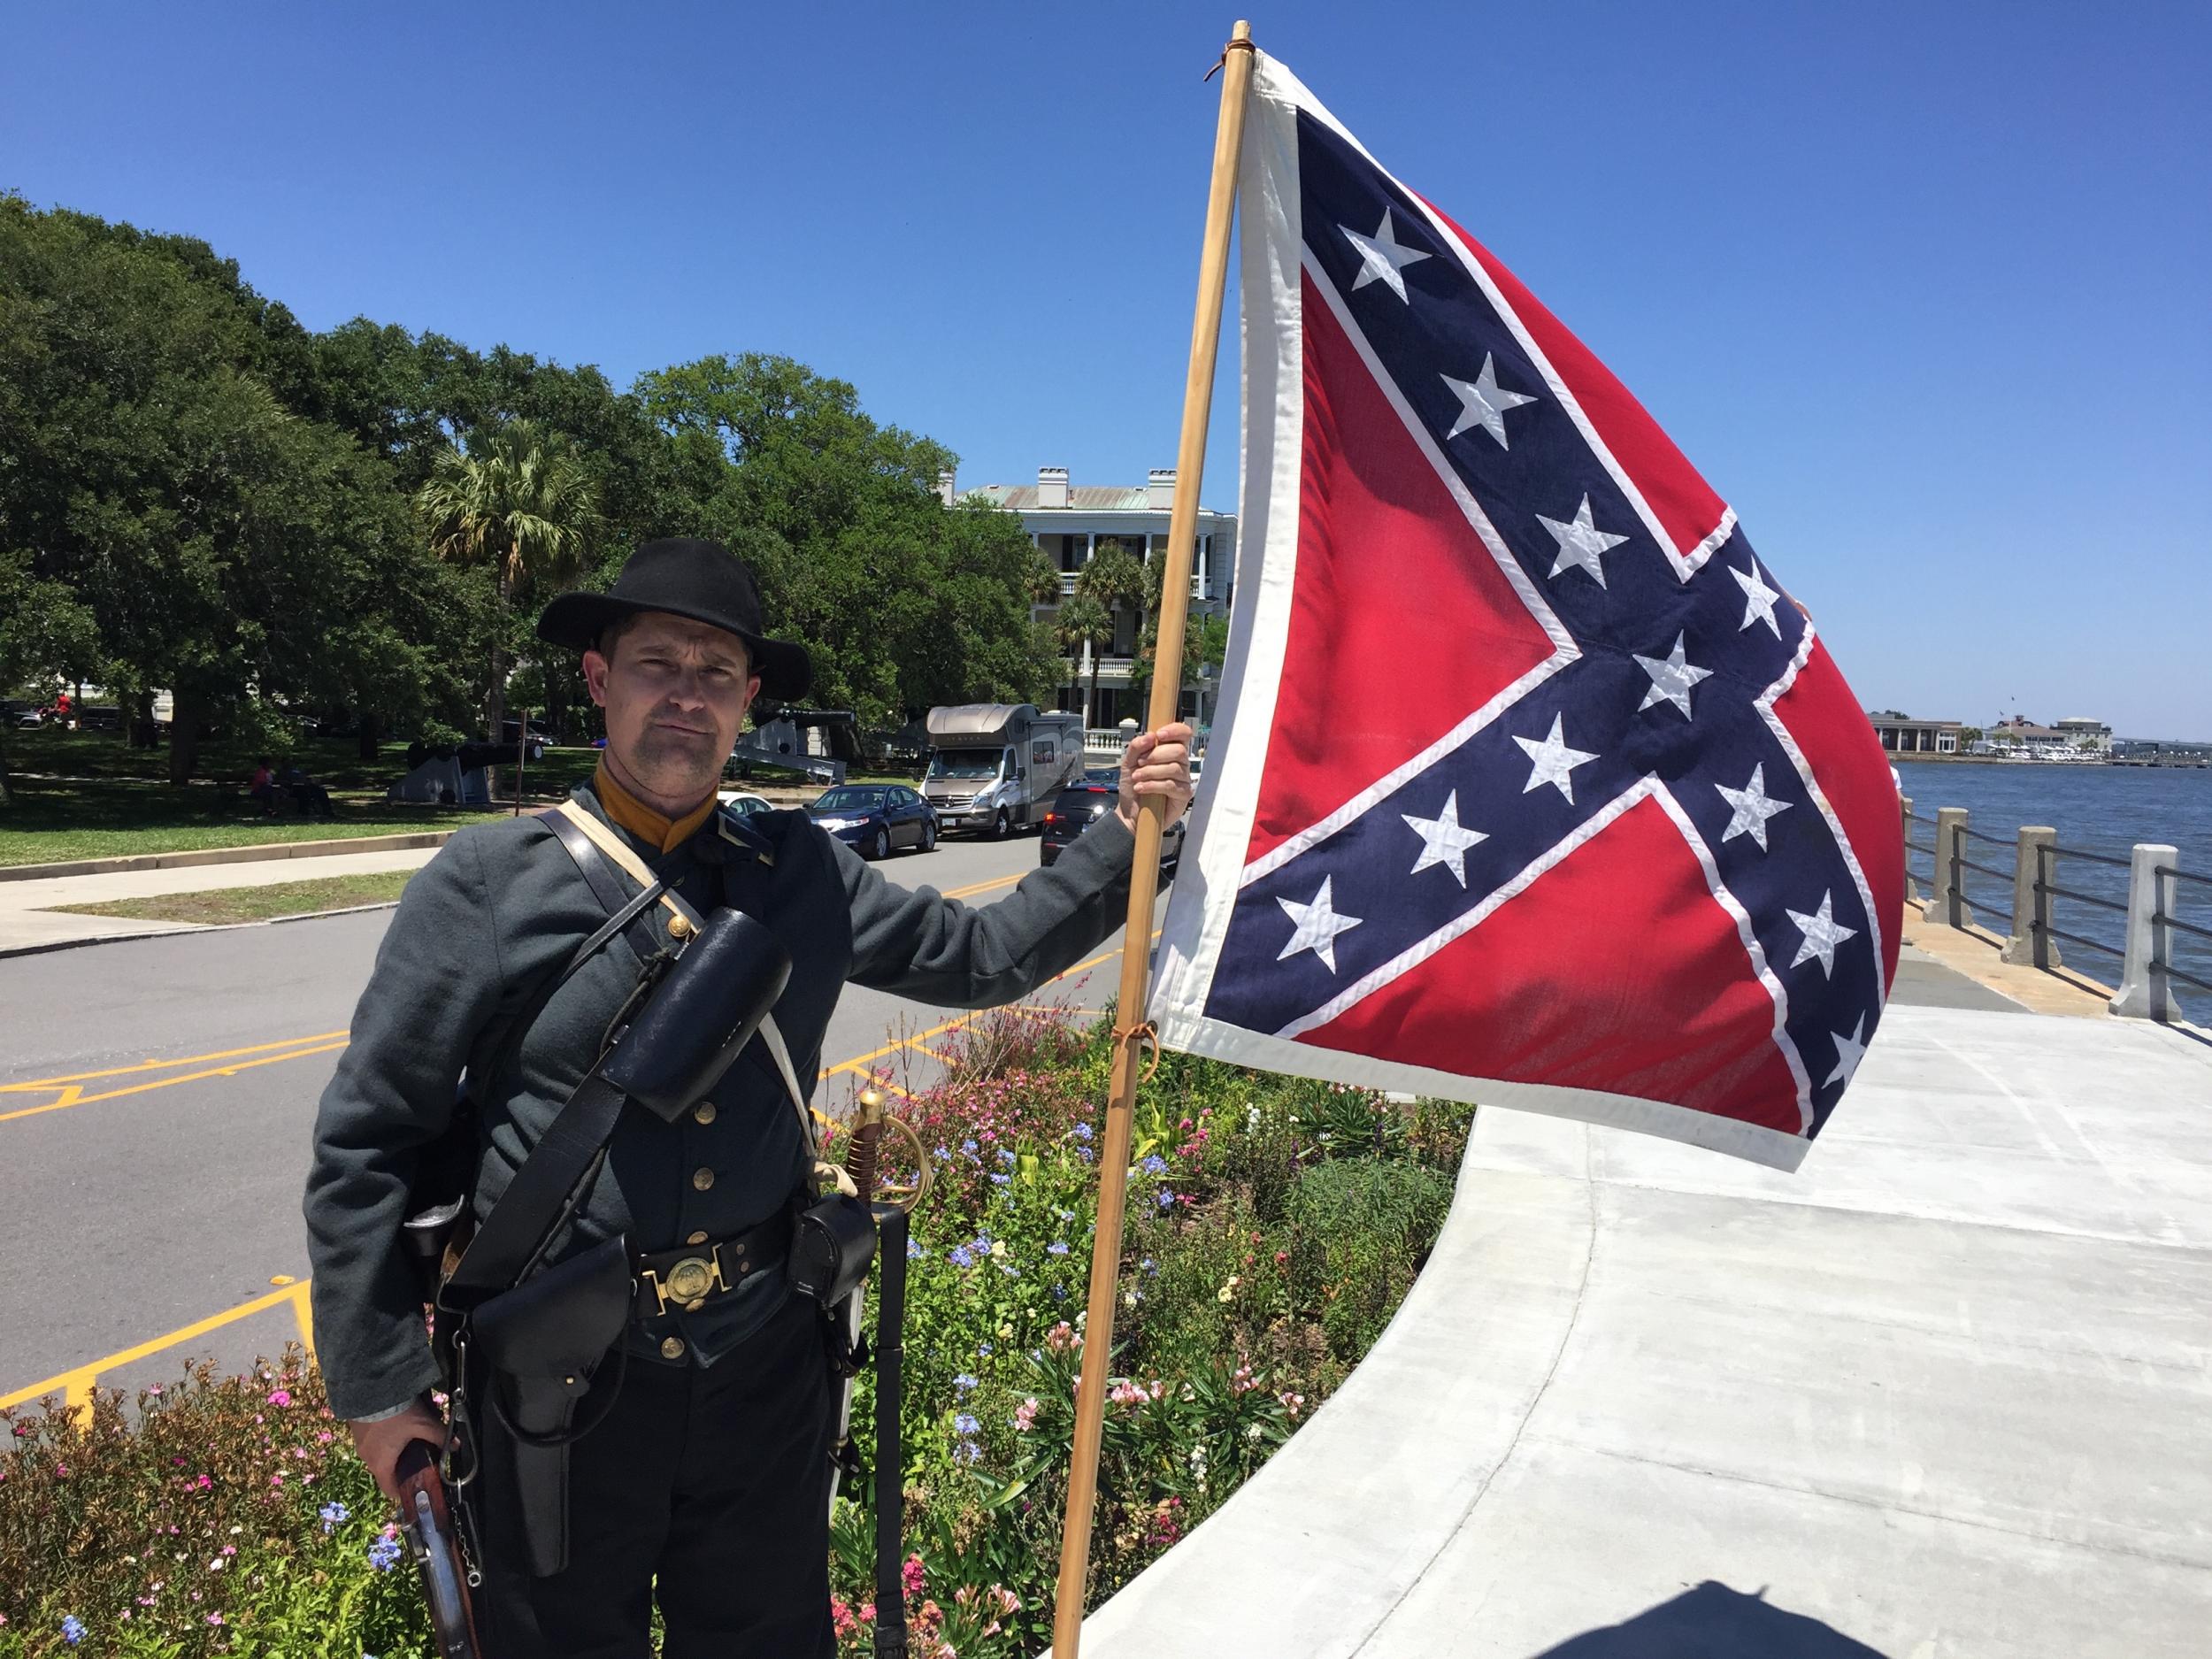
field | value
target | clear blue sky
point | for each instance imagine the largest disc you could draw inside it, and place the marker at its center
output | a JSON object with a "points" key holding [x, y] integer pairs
{"points": [[1925, 290]]}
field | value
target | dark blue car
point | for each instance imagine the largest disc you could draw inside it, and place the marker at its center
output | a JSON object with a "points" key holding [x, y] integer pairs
{"points": [[875, 818]]}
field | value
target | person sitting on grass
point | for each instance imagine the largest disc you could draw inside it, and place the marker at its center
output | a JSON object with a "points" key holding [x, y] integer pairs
{"points": [[262, 788], [310, 797]]}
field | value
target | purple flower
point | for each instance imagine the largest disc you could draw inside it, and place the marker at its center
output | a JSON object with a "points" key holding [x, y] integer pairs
{"points": [[1082, 1131], [1006, 1156], [963, 1382], [334, 1515], [968, 1452], [1058, 1246], [1166, 1200], [999, 1180], [1154, 1165], [384, 1554], [958, 1256], [965, 1424], [914, 1251], [73, 1629], [968, 1146]]}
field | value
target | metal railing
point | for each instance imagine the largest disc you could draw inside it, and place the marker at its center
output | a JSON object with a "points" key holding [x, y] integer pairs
{"points": [[2162, 921], [2148, 969], [2046, 890], [1960, 863]]}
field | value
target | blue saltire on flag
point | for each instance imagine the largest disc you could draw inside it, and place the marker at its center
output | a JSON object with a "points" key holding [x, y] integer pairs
{"points": [[1530, 784]]}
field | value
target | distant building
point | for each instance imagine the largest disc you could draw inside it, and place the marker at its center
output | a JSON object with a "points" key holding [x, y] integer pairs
{"points": [[2084, 732], [1070, 522], [1901, 735], [2078, 734]]}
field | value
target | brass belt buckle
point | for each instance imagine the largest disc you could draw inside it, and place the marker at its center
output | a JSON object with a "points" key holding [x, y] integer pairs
{"points": [[688, 1281]]}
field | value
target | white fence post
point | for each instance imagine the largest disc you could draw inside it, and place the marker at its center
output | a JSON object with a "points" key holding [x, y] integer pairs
{"points": [[1947, 904], [2031, 944], [2144, 992]]}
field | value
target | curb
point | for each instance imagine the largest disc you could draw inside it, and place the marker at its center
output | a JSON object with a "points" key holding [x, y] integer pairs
{"points": [[185, 930], [333, 847]]}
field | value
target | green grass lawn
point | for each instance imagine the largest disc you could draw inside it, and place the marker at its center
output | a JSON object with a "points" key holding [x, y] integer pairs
{"points": [[255, 905], [50, 822], [88, 794]]}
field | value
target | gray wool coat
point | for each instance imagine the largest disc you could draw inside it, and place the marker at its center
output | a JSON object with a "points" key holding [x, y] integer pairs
{"points": [[495, 915]]}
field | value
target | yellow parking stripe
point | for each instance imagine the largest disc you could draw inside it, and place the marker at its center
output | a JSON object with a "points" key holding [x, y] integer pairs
{"points": [[163, 1065], [74, 1095], [75, 1386]]}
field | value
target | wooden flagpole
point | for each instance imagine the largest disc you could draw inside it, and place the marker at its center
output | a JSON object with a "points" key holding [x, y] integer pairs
{"points": [[1132, 1033]]}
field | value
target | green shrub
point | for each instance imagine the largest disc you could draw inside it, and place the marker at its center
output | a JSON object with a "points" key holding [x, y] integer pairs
{"points": [[1273, 1225], [1361, 1226]]}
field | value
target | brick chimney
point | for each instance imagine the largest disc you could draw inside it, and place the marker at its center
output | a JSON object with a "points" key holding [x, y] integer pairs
{"points": [[1159, 488], [945, 492], [1052, 487]]}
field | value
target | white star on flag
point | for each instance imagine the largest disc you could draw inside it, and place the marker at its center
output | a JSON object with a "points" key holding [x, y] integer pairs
{"points": [[1580, 541], [1554, 762], [1849, 1051], [1823, 934], [1672, 679], [1758, 600], [1382, 257], [1483, 402], [1442, 839], [1317, 925], [1752, 807]]}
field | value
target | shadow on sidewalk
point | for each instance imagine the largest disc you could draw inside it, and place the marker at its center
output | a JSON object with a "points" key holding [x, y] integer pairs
{"points": [[1714, 1622]]}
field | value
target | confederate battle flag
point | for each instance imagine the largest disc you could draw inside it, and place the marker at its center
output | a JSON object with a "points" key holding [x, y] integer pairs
{"points": [[1531, 785]]}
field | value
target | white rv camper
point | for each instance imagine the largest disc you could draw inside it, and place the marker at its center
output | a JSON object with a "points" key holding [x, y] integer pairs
{"points": [[995, 767]]}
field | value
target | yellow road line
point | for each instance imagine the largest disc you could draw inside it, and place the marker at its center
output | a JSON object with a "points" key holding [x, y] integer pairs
{"points": [[75, 1386], [164, 1066], [981, 887], [74, 1096]]}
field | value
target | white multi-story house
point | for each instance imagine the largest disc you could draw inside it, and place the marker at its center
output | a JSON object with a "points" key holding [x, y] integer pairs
{"points": [[2083, 731], [1068, 523]]}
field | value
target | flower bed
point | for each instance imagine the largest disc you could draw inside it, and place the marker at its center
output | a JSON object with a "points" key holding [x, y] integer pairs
{"points": [[1274, 1225]]}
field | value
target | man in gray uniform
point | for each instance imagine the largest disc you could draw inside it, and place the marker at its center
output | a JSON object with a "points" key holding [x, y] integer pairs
{"points": [[704, 1489]]}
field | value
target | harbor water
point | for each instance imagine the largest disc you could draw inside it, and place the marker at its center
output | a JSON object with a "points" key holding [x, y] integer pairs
{"points": [[2103, 809]]}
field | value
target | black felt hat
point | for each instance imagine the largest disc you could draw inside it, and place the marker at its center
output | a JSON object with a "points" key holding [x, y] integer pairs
{"points": [[703, 581]]}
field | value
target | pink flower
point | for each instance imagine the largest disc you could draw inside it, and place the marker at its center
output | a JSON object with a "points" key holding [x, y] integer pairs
{"points": [[280, 1396], [214, 1618]]}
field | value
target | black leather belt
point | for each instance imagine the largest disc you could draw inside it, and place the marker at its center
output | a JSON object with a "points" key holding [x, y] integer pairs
{"points": [[686, 1278]]}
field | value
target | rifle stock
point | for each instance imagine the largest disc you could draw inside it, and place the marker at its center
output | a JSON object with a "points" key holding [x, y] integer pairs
{"points": [[426, 1516]]}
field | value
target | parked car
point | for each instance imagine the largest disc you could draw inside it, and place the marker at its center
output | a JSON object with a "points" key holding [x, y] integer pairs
{"points": [[745, 802], [1075, 808], [21, 714], [511, 734], [876, 818]]}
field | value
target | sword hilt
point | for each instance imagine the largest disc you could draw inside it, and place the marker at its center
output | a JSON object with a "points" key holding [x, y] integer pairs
{"points": [[860, 1162]]}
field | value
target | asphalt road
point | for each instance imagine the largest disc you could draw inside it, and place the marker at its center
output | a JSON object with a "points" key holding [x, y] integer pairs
{"points": [[156, 1098]]}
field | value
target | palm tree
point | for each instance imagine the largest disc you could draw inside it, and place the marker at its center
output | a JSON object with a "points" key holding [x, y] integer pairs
{"points": [[1084, 622], [1113, 577], [518, 501]]}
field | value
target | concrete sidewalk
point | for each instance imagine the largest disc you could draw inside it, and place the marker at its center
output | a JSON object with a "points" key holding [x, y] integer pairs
{"points": [[1948, 1390], [28, 921]]}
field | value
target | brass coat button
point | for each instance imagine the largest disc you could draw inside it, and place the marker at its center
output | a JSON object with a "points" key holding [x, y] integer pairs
{"points": [[701, 1180], [696, 1238], [680, 927], [705, 1111], [672, 1348]]}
